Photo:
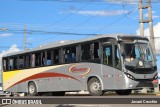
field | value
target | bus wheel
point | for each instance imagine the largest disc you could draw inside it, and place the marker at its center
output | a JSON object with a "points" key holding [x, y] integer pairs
{"points": [[95, 87], [32, 89], [123, 92], [61, 93]]}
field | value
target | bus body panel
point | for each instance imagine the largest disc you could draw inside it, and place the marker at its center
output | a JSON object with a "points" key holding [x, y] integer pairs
{"points": [[108, 77], [63, 80], [54, 79], [119, 79]]}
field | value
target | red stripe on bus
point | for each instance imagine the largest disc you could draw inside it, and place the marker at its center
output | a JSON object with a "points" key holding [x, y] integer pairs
{"points": [[44, 75]]}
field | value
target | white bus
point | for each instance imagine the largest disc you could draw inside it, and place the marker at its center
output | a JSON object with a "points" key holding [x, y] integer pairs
{"points": [[119, 63]]}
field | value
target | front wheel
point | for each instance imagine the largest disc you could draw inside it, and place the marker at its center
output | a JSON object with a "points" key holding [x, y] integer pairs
{"points": [[95, 87], [123, 92]]}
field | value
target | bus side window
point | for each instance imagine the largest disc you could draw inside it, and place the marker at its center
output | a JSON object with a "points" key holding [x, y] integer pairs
{"points": [[11, 63], [67, 55], [15, 63], [21, 62], [107, 57], [56, 56], [86, 52], [96, 50], [43, 58], [4, 65], [73, 54], [38, 59], [27, 61], [49, 58], [90, 51]]}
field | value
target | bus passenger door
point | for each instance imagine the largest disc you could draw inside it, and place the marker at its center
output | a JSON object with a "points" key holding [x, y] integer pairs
{"points": [[108, 71]]}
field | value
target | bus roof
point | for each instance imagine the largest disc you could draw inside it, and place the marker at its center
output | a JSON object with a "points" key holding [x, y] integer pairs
{"points": [[69, 42]]}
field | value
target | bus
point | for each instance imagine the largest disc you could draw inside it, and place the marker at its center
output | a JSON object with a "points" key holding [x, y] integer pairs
{"points": [[97, 64]]}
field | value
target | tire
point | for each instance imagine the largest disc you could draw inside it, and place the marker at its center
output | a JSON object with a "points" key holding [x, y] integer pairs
{"points": [[32, 89], [123, 92], [95, 87], [61, 93]]}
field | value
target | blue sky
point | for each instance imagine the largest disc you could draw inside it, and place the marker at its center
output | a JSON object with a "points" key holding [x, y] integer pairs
{"points": [[72, 17]]}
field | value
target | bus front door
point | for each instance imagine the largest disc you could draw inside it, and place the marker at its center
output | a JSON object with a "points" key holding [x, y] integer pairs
{"points": [[108, 71]]}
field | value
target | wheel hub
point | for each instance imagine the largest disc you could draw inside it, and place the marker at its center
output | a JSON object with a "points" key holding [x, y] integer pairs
{"points": [[31, 89], [95, 87]]}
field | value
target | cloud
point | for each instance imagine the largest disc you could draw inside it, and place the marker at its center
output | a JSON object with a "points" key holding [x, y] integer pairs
{"points": [[156, 35], [12, 49], [153, 16], [96, 12], [123, 1], [6, 34], [103, 13]]}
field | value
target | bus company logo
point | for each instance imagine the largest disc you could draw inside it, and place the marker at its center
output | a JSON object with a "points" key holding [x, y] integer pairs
{"points": [[78, 69]]}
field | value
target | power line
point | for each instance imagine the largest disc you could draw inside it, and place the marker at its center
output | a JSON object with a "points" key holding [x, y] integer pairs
{"points": [[85, 21], [9, 47], [62, 19], [49, 32], [117, 19]]}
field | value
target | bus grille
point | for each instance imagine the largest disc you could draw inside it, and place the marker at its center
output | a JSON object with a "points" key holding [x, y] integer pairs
{"points": [[145, 84], [141, 70]]}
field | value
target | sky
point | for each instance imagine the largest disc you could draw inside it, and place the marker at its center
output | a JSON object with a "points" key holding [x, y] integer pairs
{"points": [[48, 21]]}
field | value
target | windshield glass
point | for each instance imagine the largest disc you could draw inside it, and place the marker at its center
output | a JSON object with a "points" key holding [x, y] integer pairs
{"points": [[140, 51], [137, 56]]}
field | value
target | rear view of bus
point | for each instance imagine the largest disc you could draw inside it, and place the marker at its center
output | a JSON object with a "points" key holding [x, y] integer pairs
{"points": [[139, 64]]}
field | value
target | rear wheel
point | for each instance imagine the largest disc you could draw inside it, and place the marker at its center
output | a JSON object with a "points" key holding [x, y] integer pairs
{"points": [[61, 93], [95, 87], [32, 89], [123, 92]]}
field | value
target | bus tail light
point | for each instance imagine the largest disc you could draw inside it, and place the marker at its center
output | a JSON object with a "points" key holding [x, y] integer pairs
{"points": [[129, 76]]}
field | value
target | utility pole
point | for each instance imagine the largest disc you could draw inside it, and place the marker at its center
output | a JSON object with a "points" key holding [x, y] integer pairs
{"points": [[141, 18], [24, 37], [150, 22]]}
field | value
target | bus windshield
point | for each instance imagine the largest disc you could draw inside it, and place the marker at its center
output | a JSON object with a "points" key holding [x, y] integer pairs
{"points": [[140, 51], [138, 57]]}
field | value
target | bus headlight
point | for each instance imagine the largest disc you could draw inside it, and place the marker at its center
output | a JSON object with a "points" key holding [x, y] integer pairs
{"points": [[156, 76], [130, 76]]}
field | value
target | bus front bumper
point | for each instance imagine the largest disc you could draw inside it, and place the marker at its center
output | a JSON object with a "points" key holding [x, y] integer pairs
{"points": [[138, 84]]}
